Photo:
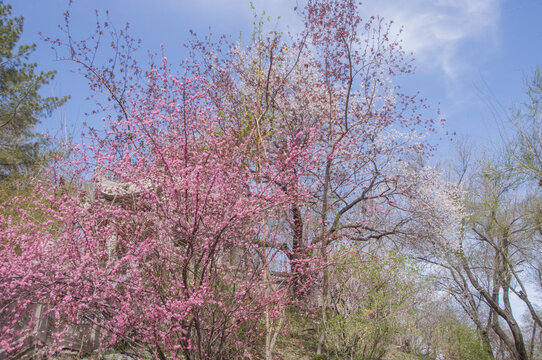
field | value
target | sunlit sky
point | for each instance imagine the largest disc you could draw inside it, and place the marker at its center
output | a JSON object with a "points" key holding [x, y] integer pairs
{"points": [[472, 56]]}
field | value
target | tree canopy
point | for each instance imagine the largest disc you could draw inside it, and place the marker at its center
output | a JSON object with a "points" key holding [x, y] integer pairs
{"points": [[262, 200], [21, 104]]}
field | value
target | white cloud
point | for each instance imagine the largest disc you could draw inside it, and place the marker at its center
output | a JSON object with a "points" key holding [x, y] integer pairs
{"points": [[435, 29]]}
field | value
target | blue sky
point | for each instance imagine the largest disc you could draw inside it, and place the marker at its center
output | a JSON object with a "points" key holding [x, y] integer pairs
{"points": [[472, 56]]}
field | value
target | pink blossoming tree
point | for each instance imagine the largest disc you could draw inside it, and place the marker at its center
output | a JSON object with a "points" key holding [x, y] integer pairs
{"points": [[161, 254]]}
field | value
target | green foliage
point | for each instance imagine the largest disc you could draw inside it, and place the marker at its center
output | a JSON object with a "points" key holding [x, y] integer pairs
{"points": [[369, 297], [460, 342], [21, 105]]}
